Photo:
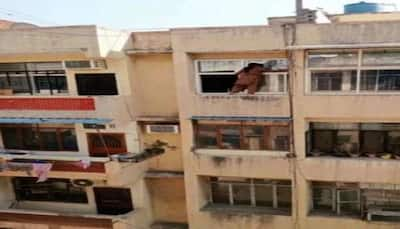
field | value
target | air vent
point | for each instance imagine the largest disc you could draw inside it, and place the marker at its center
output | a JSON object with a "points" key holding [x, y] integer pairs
{"points": [[85, 64], [162, 129]]}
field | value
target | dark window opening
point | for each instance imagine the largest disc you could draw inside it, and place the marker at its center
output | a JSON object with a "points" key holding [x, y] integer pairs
{"points": [[113, 201], [217, 83], [97, 84], [53, 190]]}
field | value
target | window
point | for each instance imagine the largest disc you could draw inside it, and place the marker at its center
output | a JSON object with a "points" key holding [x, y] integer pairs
{"points": [[355, 139], [262, 193], [243, 136], [53, 190], [100, 145], [97, 84], [219, 76], [341, 71], [33, 78], [113, 201], [41, 137], [339, 199], [333, 80]]}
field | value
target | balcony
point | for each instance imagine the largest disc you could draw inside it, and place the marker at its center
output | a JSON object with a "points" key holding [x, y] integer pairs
{"points": [[354, 140]]}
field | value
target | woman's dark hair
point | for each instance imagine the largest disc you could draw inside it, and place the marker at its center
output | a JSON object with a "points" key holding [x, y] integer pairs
{"points": [[251, 66]]}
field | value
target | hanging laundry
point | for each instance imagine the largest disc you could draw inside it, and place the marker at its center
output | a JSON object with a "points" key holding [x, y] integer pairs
{"points": [[84, 163], [41, 170]]}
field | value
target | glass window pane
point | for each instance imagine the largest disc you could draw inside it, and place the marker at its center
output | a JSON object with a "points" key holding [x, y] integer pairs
{"points": [[19, 83], [394, 142], [381, 58], [68, 140], [332, 59], [347, 141], [323, 199], [272, 83], [349, 209], [323, 141], [284, 197], [279, 137], [42, 83], [372, 141], [241, 194], [220, 65], [333, 80], [230, 137], [49, 139], [389, 80], [207, 137], [30, 139], [253, 137], [10, 138], [220, 193], [263, 195], [348, 195], [4, 82], [368, 80]]}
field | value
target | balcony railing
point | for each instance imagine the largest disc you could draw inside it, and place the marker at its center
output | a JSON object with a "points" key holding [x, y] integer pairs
{"points": [[369, 140]]}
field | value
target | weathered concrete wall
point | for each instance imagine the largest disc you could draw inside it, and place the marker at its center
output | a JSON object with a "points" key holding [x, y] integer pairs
{"points": [[348, 33], [151, 41], [69, 39], [154, 85], [227, 39], [168, 199], [171, 160]]}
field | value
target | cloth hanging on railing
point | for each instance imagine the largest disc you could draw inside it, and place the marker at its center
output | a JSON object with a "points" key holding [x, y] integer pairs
{"points": [[41, 170]]}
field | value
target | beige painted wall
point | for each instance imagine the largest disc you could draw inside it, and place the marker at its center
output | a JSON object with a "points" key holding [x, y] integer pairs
{"points": [[171, 160], [154, 85], [168, 199]]}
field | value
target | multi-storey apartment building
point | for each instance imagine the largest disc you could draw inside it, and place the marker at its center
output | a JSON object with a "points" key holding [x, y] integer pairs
{"points": [[317, 144], [68, 114]]}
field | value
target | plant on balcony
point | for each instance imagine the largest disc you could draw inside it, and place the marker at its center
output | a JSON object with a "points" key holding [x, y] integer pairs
{"points": [[385, 155]]}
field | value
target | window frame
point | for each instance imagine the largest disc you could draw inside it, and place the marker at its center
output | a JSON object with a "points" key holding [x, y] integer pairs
{"points": [[50, 198], [244, 62], [266, 136], [37, 129], [359, 68], [30, 74], [388, 145], [274, 184], [335, 191], [86, 75]]}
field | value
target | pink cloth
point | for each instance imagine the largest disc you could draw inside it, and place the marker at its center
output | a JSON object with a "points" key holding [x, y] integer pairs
{"points": [[84, 163], [41, 170]]}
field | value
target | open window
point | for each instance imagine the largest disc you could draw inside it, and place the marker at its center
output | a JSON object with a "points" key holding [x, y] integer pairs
{"points": [[219, 76], [113, 201], [96, 84]]}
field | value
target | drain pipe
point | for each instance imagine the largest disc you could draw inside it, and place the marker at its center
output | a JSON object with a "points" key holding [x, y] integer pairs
{"points": [[299, 9]]}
